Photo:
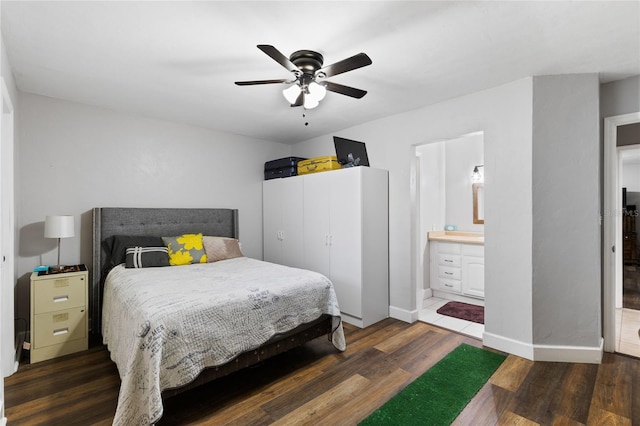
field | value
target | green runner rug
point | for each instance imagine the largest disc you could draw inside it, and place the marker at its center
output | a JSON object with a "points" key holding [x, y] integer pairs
{"points": [[440, 394]]}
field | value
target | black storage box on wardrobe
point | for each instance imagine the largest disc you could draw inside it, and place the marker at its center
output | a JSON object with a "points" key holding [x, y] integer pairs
{"points": [[282, 167]]}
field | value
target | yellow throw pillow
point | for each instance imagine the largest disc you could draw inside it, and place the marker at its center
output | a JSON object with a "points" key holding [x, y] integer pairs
{"points": [[185, 249]]}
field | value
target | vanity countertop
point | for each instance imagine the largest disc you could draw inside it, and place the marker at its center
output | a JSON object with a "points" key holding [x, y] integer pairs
{"points": [[457, 237]]}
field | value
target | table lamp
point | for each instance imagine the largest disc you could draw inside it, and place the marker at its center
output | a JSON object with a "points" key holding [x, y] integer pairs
{"points": [[58, 227]]}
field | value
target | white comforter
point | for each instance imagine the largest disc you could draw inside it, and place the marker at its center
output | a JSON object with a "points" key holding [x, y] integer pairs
{"points": [[163, 326]]}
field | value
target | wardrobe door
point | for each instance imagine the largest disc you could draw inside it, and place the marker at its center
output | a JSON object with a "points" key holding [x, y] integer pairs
{"points": [[317, 232], [345, 240], [282, 221]]}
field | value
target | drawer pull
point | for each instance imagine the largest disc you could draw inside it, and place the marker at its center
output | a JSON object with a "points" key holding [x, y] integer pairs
{"points": [[448, 260], [449, 285], [60, 331], [448, 273], [60, 299]]}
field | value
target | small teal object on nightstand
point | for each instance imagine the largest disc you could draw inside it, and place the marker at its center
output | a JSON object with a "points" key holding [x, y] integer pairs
{"points": [[41, 268]]}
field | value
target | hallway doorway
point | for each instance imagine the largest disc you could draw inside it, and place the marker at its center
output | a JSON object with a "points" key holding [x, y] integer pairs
{"points": [[621, 298]]}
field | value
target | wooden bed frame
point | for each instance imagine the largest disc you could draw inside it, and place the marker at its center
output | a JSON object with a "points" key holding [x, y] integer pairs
{"points": [[109, 221]]}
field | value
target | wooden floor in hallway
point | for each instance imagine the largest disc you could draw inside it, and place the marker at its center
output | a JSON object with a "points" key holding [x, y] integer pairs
{"points": [[315, 384]]}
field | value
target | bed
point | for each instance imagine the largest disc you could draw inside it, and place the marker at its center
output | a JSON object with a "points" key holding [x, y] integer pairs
{"points": [[171, 328]]}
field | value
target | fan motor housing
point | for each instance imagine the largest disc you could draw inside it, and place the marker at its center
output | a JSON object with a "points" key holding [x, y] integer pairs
{"points": [[307, 61]]}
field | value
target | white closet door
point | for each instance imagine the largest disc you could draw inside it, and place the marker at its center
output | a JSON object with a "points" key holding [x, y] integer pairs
{"points": [[292, 221], [282, 221], [271, 220], [317, 232], [346, 239]]}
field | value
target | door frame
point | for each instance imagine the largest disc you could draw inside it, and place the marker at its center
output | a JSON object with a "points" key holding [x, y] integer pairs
{"points": [[612, 222]]}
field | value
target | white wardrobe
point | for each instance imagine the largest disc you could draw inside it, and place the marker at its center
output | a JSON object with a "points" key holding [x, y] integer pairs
{"points": [[335, 223]]}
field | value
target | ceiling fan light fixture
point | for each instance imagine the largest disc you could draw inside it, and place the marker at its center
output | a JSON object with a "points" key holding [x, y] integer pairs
{"points": [[317, 91], [310, 102], [307, 66], [291, 93]]}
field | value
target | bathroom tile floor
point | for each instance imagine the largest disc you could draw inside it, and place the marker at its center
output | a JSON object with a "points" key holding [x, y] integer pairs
{"points": [[628, 331], [429, 315]]}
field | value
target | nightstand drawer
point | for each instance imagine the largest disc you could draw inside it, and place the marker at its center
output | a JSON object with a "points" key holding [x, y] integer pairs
{"points": [[59, 293], [58, 327]]}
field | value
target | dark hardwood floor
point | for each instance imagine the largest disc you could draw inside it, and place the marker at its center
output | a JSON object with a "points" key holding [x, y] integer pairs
{"points": [[315, 384], [631, 286]]}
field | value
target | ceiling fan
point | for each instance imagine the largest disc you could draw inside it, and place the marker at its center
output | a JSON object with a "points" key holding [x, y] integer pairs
{"points": [[308, 87]]}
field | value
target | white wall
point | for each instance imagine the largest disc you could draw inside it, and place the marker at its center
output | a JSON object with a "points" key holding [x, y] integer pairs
{"points": [[431, 197], [8, 99], [620, 97], [74, 157], [432, 187], [461, 156], [504, 114], [631, 176], [566, 203]]}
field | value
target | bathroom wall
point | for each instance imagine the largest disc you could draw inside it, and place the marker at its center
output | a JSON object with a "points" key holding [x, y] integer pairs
{"points": [[445, 182], [461, 156], [445, 195]]}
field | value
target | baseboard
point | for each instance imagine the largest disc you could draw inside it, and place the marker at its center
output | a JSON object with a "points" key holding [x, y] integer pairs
{"points": [[20, 339], [549, 353], [458, 297], [580, 354], [511, 346], [403, 314]]}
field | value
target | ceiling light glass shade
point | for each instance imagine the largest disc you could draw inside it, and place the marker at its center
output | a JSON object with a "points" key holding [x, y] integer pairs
{"points": [[291, 93], [310, 102], [317, 91]]}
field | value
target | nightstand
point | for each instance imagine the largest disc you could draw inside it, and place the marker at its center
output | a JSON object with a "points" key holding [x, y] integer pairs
{"points": [[59, 317]]}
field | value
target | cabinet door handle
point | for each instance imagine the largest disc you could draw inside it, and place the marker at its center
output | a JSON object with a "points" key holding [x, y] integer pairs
{"points": [[60, 299]]}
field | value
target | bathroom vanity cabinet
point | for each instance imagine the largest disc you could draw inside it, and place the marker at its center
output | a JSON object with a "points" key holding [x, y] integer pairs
{"points": [[457, 264]]}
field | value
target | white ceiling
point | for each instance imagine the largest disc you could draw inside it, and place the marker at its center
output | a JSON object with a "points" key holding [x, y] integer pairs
{"points": [[178, 60]]}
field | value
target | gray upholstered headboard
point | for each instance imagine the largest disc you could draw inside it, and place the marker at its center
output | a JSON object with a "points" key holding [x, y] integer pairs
{"points": [[160, 222]]}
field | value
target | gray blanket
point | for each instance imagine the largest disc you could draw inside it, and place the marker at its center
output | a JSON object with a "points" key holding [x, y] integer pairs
{"points": [[163, 326]]}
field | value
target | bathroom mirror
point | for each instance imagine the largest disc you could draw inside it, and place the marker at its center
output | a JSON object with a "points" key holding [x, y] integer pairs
{"points": [[478, 203]]}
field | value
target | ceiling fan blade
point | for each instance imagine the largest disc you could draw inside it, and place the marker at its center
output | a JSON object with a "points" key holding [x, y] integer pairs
{"points": [[344, 90], [278, 57], [356, 61], [251, 83]]}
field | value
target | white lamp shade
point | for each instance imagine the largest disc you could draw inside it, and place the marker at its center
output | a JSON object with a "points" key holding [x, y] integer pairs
{"points": [[59, 227]]}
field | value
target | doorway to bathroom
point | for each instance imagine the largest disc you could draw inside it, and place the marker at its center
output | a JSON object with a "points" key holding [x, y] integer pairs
{"points": [[449, 223]]}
